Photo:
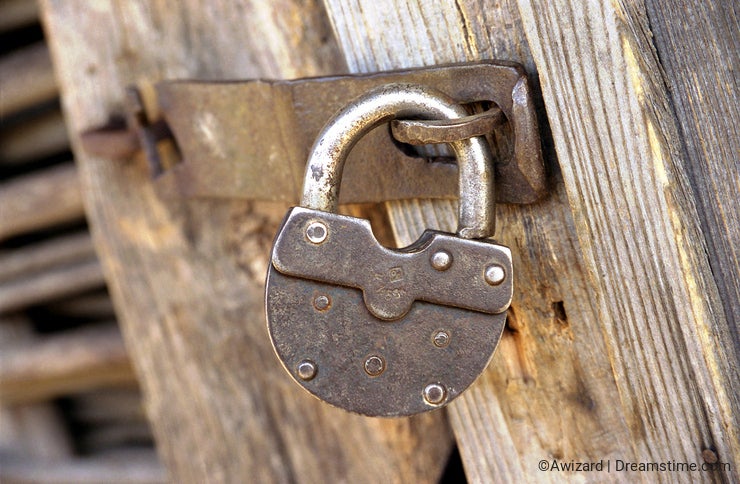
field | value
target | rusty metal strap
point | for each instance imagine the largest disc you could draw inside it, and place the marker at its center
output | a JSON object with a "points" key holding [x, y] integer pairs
{"points": [[251, 139]]}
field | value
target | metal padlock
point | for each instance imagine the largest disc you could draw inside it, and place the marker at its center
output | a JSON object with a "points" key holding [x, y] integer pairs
{"points": [[378, 331]]}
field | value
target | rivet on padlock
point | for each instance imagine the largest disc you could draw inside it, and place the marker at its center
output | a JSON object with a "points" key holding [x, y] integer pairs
{"points": [[378, 331]]}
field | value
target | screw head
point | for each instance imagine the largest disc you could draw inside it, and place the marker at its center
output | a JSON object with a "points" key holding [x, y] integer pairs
{"points": [[322, 303], [435, 394], [441, 338], [307, 370], [316, 232], [495, 274], [374, 365], [441, 260]]}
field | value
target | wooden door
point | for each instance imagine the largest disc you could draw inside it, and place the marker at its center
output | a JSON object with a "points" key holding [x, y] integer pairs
{"points": [[622, 342]]}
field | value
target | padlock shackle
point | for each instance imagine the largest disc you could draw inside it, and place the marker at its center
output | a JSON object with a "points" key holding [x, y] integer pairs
{"points": [[475, 167]]}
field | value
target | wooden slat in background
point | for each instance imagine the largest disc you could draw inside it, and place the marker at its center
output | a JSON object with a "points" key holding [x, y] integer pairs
{"points": [[59, 343]]}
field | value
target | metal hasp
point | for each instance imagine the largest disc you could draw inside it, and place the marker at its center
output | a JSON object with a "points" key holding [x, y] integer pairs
{"points": [[251, 139], [378, 331]]}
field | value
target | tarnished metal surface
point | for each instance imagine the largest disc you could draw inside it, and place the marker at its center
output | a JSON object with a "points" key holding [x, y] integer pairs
{"points": [[325, 165], [336, 339], [251, 139], [391, 280], [330, 352], [425, 131]]}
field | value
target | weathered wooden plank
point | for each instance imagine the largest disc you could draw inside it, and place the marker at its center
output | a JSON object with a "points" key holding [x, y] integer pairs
{"points": [[38, 137], [53, 284], [32, 259], [186, 277], [558, 388], [506, 423], [636, 218], [39, 200], [698, 45], [64, 363], [26, 79]]}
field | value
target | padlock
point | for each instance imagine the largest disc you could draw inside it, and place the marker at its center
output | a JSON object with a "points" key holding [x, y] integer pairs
{"points": [[380, 331]]}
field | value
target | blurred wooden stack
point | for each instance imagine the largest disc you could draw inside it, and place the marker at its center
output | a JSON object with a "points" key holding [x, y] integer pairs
{"points": [[70, 407]]}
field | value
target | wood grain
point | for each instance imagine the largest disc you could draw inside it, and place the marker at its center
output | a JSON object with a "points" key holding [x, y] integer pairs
{"points": [[506, 423], [698, 46], [186, 277], [588, 369], [636, 217]]}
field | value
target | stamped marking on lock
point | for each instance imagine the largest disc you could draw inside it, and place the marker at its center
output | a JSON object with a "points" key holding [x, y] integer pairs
{"points": [[391, 280], [379, 331]]}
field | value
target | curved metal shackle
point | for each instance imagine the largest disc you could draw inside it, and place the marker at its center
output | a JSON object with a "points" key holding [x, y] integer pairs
{"points": [[474, 160]]}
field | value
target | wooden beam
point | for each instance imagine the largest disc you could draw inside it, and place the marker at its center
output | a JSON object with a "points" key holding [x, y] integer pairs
{"points": [[40, 200], [671, 346], [551, 392], [698, 47], [64, 363], [187, 276], [26, 79], [505, 423]]}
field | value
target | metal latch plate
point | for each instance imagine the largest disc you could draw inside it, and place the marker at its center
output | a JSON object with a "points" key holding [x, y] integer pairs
{"points": [[251, 139]]}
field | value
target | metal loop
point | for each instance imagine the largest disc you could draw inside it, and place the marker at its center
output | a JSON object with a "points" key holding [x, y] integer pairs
{"points": [[326, 162], [424, 131]]}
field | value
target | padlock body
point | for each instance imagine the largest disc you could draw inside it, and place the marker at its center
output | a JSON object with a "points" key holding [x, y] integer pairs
{"points": [[340, 319]]}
